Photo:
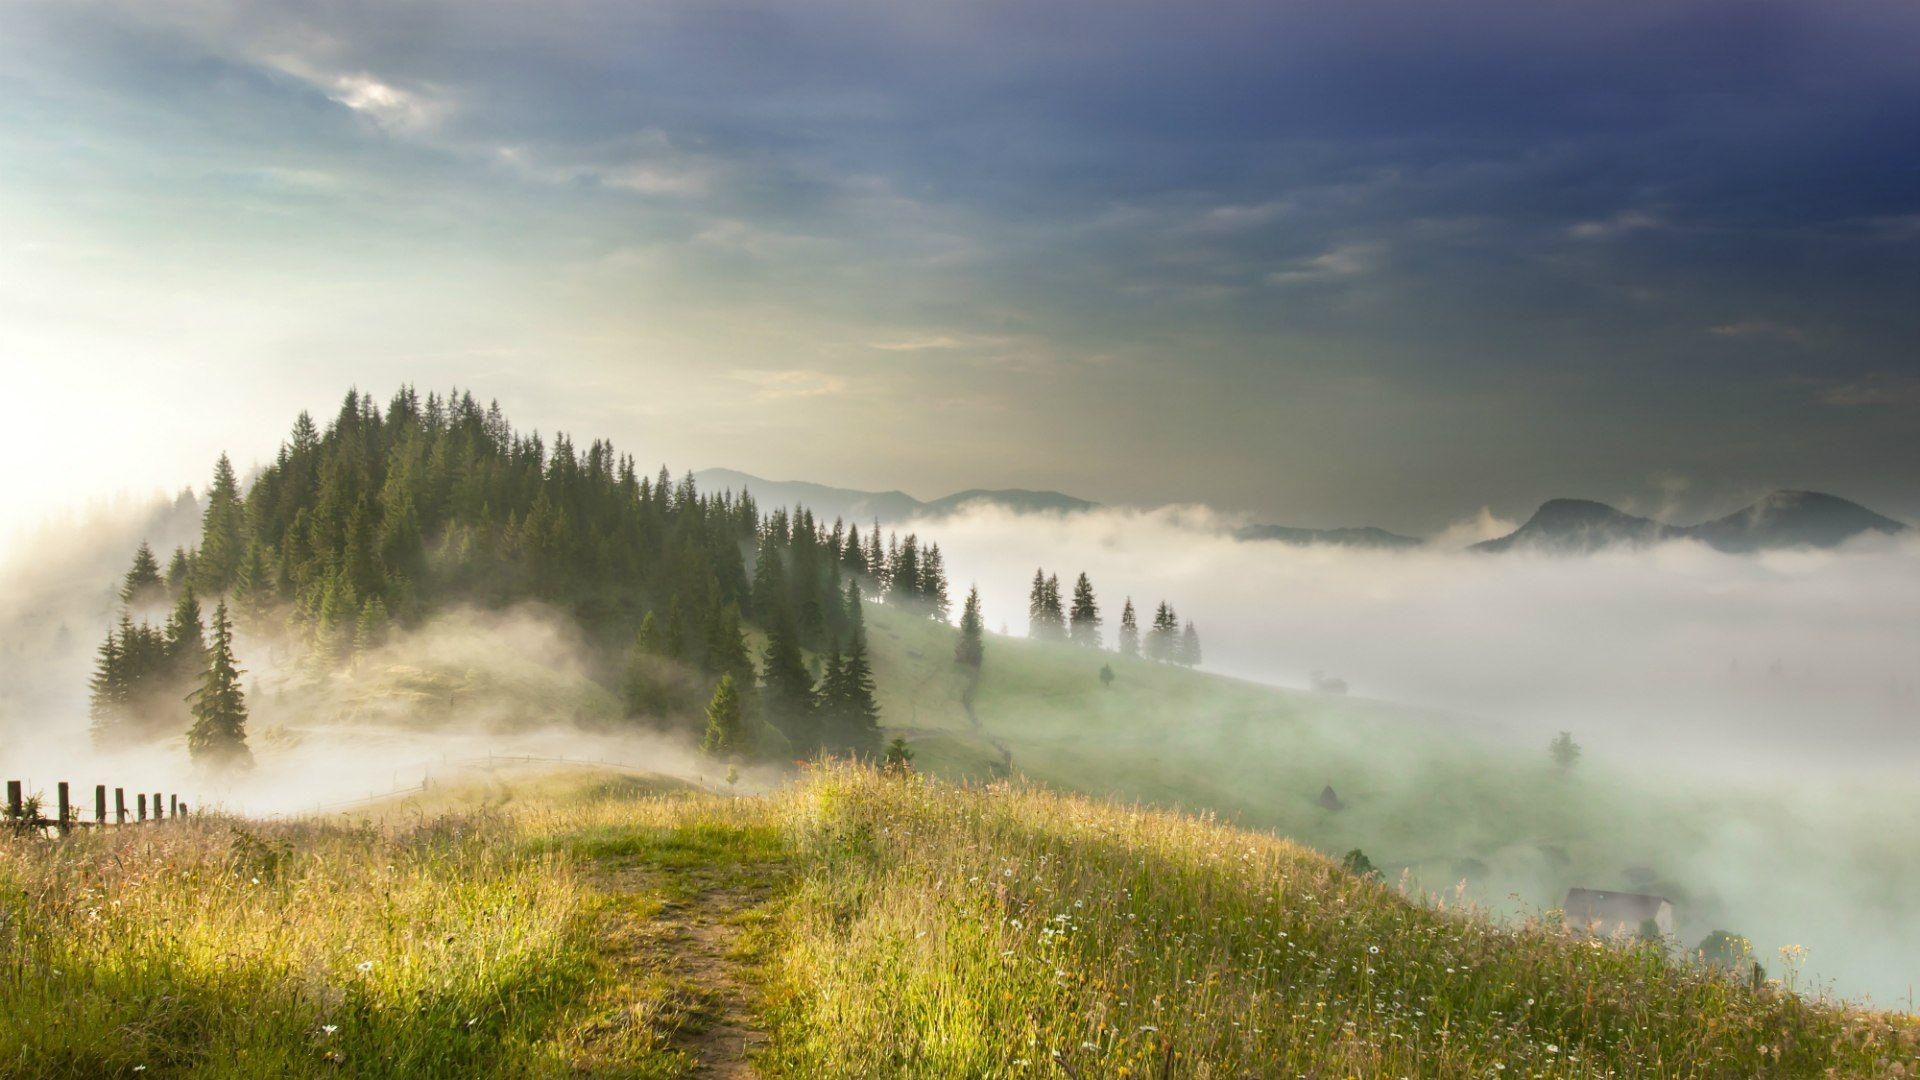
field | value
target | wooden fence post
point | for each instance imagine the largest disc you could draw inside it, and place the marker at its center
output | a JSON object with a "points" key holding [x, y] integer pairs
{"points": [[15, 806], [119, 806], [183, 808], [62, 800], [142, 796], [100, 804], [173, 806], [156, 806]]}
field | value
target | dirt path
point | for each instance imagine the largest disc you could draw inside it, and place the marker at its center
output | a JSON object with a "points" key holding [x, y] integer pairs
{"points": [[673, 938], [697, 940]]}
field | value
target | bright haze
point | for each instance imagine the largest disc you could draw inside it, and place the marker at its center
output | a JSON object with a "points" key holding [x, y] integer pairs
{"points": [[1322, 263]]}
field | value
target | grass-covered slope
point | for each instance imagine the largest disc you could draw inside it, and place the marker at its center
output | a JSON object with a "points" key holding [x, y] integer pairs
{"points": [[852, 925]]}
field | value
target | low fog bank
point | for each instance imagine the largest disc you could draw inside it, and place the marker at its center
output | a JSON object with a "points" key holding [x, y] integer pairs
{"points": [[1679, 654], [466, 685]]}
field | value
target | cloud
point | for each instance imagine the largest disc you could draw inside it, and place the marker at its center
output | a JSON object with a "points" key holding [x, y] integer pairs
{"points": [[1759, 328], [1620, 224], [1335, 264], [792, 383], [1879, 388]]}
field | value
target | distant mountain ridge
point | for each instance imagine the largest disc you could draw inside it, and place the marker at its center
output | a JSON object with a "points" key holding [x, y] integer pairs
{"points": [[1782, 519], [861, 506]]}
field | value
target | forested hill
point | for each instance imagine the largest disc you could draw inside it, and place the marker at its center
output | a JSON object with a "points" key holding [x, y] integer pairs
{"points": [[383, 515]]}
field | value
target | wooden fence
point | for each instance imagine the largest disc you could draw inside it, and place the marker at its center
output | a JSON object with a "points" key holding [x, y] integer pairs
{"points": [[26, 814]]}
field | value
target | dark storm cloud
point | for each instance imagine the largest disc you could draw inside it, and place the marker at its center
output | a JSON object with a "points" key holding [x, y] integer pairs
{"points": [[1685, 231]]}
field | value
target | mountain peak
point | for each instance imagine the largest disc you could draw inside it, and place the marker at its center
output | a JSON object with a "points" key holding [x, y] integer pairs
{"points": [[1780, 519]]}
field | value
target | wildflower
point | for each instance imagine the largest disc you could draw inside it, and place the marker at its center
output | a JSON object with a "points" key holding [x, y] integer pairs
{"points": [[364, 966], [328, 1029]]}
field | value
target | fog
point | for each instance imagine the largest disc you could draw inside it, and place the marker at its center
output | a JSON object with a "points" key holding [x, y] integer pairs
{"points": [[429, 704], [1782, 661], [1750, 722]]}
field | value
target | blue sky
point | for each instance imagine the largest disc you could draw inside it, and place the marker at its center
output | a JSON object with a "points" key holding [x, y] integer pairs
{"points": [[1321, 262]]}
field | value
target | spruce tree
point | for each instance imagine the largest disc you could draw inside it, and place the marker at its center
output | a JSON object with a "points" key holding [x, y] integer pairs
{"points": [[1037, 605], [222, 532], [142, 582], [786, 685], [218, 738], [726, 721], [186, 647], [179, 568], [1085, 619], [727, 645], [1056, 619], [859, 714], [108, 700], [971, 648], [1163, 637], [933, 583], [1129, 630], [1190, 646]]}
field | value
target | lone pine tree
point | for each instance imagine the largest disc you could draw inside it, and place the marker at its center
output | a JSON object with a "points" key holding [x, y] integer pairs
{"points": [[972, 646], [218, 738], [1129, 630], [1085, 616]]}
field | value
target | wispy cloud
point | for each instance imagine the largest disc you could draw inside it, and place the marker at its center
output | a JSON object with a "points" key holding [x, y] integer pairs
{"points": [[1878, 388], [1758, 328], [1335, 264], [1620, 224], [770, 385]]}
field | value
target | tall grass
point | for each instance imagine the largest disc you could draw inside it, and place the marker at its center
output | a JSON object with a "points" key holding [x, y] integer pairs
{"points": [[236, 949], [922, 930], [941, 931]]}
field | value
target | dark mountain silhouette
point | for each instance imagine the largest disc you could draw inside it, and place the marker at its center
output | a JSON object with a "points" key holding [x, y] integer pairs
{"points": [[1783, 519], [1365, 536], [1793, 519], [857, 506]]}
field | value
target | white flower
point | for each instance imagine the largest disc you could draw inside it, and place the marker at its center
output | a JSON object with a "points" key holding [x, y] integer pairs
{"points": [[328, 1029], [364, 966]]}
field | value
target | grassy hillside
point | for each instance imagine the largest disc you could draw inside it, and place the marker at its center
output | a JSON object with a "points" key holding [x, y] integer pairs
{"points": [[1445, 799], [851, 925]]}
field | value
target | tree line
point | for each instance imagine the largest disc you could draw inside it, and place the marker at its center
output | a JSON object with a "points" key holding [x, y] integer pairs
{"points": [[1079, 622], [366, 524]]}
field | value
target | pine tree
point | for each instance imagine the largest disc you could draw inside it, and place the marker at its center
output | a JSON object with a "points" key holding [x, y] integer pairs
{"points": [[1190, 646], [786, 685], [186, 637], [1085, 621], [933, 583], [218, 738], [899, 755], [727, 645], [1129, 630], [1163, 637], [858, 716], [222, 535], [971, 648], [1037, 605], [108, 701], [726, 721], [142, 582], [1051, 608], [904, 579], [179, 568]]}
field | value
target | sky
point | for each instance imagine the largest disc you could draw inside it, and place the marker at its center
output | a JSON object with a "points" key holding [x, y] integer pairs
{"points": [[1319, 263]]}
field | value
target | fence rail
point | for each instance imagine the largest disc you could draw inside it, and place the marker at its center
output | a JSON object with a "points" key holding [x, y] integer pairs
{"points": [[27, 814]]}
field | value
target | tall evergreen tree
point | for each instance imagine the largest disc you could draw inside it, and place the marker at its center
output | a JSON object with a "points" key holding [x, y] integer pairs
{"points": [[222, 532], [725, 735], [1045, 619], [179, 568], [218, 738], [1163, 637], [856, 715], [933, 583], [108, 702], [786, 687], [1085, 617], [142, 583], [1129, 630], [186, 637], [971, 648], [1190, 646]]}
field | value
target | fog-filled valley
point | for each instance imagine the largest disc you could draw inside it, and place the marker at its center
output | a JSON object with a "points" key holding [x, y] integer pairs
{"points": [[1748, 721]]}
